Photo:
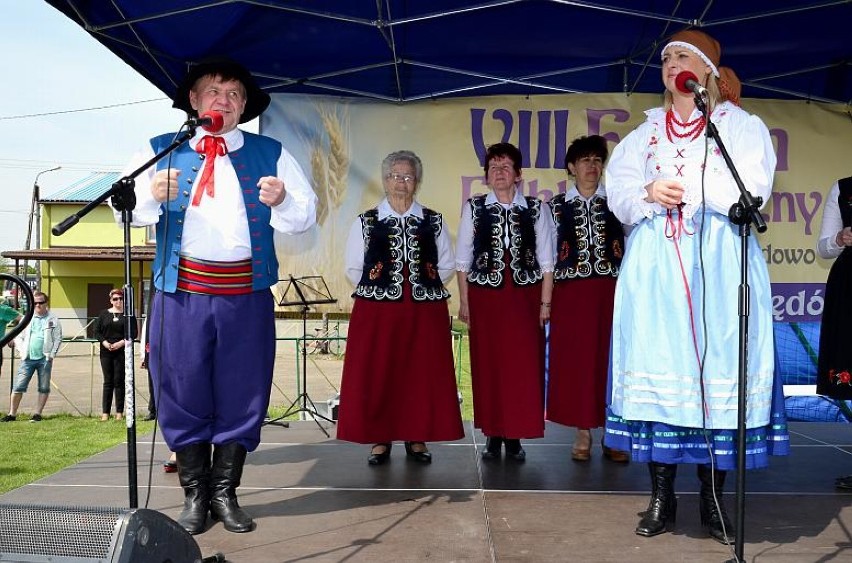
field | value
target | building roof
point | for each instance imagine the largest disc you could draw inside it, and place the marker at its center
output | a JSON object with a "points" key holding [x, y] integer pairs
{"points": [[90, 253], [85, 190]]}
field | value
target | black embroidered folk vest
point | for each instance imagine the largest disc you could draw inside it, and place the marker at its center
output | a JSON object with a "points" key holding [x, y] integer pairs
{"points": [[589, 240], [393, 243], [489, 225]]}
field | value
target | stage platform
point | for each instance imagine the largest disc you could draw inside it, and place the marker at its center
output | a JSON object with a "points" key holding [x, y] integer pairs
{"points": [[316, 499]]}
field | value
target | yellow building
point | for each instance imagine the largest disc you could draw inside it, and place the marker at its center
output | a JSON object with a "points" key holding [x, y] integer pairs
{"points": [[79, 267]]}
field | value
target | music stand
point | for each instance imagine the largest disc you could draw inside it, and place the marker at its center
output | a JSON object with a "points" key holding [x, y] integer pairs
{"points": [[304, 292]]}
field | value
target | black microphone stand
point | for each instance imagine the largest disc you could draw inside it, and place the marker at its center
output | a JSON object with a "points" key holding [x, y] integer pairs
{"points": [[124, 200], [743, 213]]}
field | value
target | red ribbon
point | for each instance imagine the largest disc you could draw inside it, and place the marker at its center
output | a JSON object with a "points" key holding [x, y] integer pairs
{"points": [[211, 147]]}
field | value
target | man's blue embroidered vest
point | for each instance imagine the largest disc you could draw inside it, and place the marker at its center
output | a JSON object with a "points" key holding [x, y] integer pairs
{"points": [[257, 157]]}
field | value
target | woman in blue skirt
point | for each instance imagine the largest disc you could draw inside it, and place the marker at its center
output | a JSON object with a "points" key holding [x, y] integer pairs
{"points": [[675, 341]]}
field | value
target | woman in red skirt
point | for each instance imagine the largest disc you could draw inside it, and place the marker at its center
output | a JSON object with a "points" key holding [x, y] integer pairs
{"points": [[589, 246], [504, 258], [398, 375]]}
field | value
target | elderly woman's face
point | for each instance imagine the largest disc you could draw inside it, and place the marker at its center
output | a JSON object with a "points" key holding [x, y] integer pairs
{"points": [[501, 173], [401, 182]]}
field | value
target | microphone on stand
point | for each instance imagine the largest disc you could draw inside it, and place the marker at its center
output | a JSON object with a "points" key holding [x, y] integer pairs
{"points": [[687, 82], [211, 121]]}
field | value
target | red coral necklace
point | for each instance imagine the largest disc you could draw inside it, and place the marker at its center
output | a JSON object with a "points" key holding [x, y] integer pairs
{"points": [[691, 129]]}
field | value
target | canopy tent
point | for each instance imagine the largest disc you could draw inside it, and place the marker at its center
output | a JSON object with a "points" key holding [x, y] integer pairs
{"points": [[405, 50]]}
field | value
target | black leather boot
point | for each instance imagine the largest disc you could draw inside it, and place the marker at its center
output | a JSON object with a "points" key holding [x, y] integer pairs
{"points": [[493, 445], [653, 491], [661, 513], [194, 475], [514, 450], [712, 516], [228, 461]]}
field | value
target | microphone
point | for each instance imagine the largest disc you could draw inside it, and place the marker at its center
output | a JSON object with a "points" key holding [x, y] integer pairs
{"points": [[687, 82], [211, 121]]}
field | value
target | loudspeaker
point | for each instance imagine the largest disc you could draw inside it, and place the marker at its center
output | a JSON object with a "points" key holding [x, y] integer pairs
{"points": [[37, 533]]}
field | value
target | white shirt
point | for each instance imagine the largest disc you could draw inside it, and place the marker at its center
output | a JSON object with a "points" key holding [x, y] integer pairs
{"points": [[217, 228], [544, 237], [354, 254], [832, 223]]}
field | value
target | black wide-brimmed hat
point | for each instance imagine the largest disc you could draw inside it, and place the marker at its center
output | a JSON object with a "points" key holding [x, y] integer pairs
{"points": [[256, 99]]}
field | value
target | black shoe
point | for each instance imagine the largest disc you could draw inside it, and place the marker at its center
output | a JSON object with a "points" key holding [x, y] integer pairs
{"points": [[515, 451], [36, 418], [379, 458], [151, 416], [422, 456], [492, 448], [9, 418]]}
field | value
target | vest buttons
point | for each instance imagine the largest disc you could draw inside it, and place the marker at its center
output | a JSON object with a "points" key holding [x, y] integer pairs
{"points": [[186, 193], [183, 208], [195, 169], [189, 180]]}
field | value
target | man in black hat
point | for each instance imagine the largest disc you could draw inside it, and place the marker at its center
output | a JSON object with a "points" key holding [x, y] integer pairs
{"points": [[216, 202]]}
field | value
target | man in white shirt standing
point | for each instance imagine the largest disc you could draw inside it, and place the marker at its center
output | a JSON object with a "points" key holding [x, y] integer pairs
{"points": [[216, 202], [37, 346]]}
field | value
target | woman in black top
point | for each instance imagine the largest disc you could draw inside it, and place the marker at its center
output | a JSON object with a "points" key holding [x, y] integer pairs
{"points": [[109, 331]]}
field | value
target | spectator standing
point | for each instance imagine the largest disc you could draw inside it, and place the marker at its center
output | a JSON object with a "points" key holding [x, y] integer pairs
{"points": [[37, 346]]}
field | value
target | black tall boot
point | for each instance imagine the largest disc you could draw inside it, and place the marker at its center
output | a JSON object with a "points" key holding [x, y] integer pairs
{"points": [[661, 513], [713, 516], [194, 475], [653, 491], [228, 460]]}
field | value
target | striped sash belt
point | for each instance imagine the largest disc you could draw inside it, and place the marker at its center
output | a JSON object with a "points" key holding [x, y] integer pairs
{"points": [[214, 278]]}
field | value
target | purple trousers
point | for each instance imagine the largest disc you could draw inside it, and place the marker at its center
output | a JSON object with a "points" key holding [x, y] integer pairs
{"points": [[211, 359]]}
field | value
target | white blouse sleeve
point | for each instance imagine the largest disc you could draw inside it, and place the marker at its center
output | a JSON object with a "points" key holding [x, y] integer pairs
{"points": [[625, 179], [832, 223], [446, 256], [464, 241], [545, 236], [750, 147], [353, 258]]}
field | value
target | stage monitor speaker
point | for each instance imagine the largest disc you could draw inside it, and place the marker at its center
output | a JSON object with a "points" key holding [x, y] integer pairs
{"points": [[38, 533]]}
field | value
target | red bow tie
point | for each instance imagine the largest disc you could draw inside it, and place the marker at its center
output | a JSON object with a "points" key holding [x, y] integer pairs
{"points": [[211, 147]]}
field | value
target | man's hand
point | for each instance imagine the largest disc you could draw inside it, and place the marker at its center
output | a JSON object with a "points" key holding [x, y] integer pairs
{"points": [[165, 184], [272, 190]]}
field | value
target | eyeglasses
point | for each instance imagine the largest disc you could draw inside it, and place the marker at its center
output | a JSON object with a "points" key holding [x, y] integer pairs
{"points": [[407, 178], [117, 299], [39, 302]]}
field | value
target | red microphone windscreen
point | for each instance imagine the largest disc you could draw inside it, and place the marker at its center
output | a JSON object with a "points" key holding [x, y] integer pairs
{"points": [[217, 121], [681, 78]]}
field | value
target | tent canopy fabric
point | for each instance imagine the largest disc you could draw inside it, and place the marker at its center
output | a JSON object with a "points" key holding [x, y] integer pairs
{"points": [[408, 50]]}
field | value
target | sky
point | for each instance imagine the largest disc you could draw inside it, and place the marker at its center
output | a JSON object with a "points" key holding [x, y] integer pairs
{"points": [[51, 69]]}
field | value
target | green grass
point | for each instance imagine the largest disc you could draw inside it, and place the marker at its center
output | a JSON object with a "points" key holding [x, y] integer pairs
{"points": [[30, 451]]}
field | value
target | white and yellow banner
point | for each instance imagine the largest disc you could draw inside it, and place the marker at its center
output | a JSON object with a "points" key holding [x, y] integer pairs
{"points": [[340, 143]]}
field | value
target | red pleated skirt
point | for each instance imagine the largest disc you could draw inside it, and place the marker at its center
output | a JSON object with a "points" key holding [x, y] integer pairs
{"points": [[507, 360], [580, 332], [399, 380]]}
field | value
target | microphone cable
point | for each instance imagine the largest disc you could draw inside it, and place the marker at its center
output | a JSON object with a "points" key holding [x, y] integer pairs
{"points": [[707, 433], [160, 329]]}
